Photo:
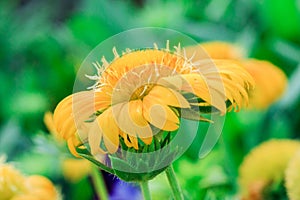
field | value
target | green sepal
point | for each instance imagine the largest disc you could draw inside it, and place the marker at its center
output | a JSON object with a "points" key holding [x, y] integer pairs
{"points": [[133, 165], [132, 176], [87, 155]]}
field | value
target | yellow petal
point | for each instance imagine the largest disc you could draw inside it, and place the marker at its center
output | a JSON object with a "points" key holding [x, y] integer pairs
{"points": [[126, 140], [62, 111], [132, 122], [130, 141], [105, 127], [94, 139], [168, 96], [196, 84], [173, 82], [159, 115], [72, 146], [64, 120], [69, 128], [134, 141], [229, 78], [72, 112]]}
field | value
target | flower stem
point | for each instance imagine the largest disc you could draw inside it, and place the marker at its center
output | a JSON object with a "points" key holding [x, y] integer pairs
{"points": [[177, 192], [99, 183], [145, 190]]}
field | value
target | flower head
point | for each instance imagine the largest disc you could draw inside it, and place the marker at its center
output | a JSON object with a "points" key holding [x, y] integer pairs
{"points": [[264, 166], [16, 186], [41, 187], [143, 92], [11, 181], [292, 177], [267, 90]]}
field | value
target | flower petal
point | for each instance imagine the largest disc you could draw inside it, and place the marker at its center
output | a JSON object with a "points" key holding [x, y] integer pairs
{"points": [[168, 96], [159, 115], [72, 143], [105, 127], [132, 122], [74, 110], [94, 139], [216, 82], [196, 84]]}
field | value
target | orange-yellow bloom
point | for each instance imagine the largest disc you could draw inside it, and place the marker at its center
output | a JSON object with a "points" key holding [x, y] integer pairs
{"points": [[16, 186], [270, 81], [11, 181], [75, 169], [265, 165], [219, 50], [41, 187], [292, 177], [143, 91]]}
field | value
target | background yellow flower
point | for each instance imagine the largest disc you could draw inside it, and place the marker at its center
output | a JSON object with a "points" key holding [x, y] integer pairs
{"points": [[292, 177], [265, 165], [75, 169], [16, 186], [11, 182], [270, 81], [218, 50]]}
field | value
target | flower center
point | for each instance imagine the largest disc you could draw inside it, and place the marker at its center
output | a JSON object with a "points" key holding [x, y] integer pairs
{"points": [[141, 91]]}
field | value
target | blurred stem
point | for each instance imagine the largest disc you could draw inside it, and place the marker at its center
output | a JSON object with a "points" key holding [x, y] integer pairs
{"points": [[145, 190], [177, 192], [99, 183]]}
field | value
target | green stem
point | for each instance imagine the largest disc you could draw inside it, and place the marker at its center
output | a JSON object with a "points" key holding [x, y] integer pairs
{"points": [[99, 183], [177, 192], [145, 190]]}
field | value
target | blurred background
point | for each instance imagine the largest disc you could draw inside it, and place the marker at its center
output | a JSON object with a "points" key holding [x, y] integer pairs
{"points": [[43, 43]]}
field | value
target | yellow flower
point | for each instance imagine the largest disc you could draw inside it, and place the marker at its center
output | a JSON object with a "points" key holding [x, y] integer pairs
{"points": [[292, 177], [270, 81], [11, 181], [219, 50], [143, 91], [267, 90], [25, 197], [16, 186], [75, 169], [41, 187], [265, 165]]}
